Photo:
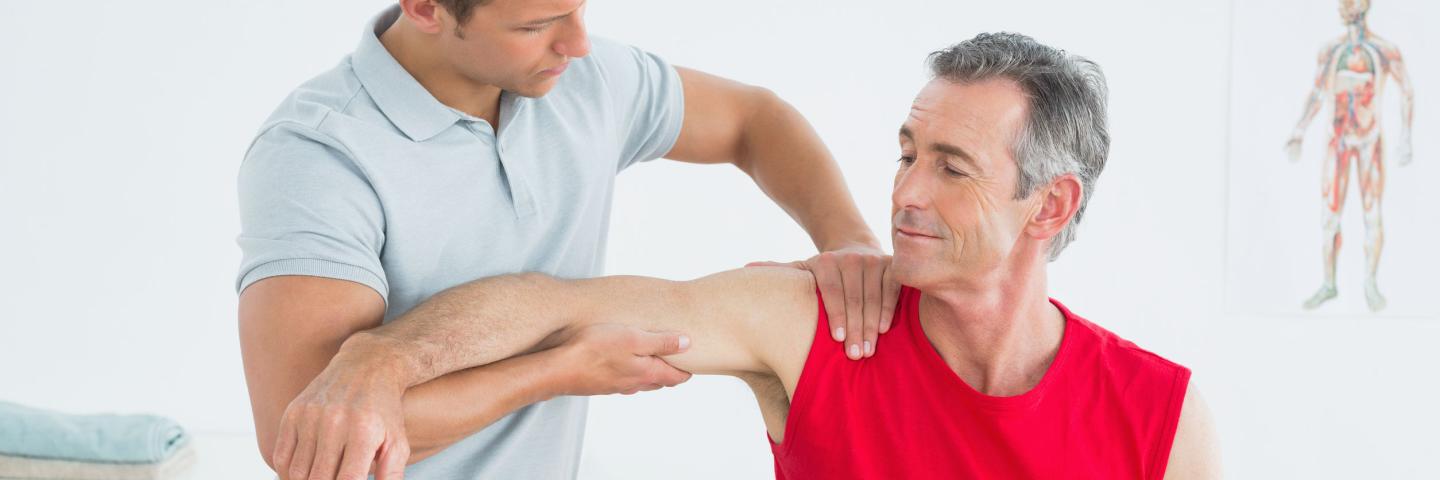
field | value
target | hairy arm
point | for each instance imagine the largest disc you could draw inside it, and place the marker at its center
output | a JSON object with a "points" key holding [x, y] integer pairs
{"points": [[739, 321], [291, 327], [577, 337]]}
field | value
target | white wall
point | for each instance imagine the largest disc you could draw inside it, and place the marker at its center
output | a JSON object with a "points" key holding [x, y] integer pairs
{"points": [[122, 125]]}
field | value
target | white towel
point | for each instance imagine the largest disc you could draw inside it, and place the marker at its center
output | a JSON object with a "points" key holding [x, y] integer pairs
{"points": [[49, 469]]}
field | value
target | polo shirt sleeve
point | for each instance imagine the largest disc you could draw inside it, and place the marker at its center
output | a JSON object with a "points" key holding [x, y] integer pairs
{"points": [[307, 209], [647, 97]]}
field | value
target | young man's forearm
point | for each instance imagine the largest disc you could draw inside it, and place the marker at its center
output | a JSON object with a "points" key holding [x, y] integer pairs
{"points": [[388, 387], [475, 323], [790, 163], [490, 319], [447, 409]]}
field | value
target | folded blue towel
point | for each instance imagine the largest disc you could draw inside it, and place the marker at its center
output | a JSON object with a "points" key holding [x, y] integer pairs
{"points": [[32, 432]]}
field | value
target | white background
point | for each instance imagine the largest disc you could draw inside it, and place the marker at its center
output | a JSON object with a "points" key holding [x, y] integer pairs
{"points": [[1275, 206], [122, 125]]}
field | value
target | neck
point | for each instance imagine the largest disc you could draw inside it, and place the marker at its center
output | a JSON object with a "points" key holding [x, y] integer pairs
{"points": [[1356, 29], [419, 54], [999, 335]]}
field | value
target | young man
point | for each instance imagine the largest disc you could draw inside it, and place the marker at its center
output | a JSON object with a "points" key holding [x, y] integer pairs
{"points": [[983, 375], [470, 138]]}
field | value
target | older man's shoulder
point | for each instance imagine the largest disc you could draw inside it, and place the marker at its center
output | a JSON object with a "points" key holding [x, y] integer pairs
{"points": [[1119, 357]]}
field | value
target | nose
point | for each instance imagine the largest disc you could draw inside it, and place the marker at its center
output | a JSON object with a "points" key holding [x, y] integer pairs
{"points": [[912, 188], [575, 41]]}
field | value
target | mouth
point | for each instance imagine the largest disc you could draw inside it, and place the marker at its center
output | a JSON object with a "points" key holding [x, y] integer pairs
{"points": [[912, 234], [555, 70]]}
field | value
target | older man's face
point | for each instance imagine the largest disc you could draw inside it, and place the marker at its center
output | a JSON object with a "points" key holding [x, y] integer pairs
{"points": [[953, 213]]}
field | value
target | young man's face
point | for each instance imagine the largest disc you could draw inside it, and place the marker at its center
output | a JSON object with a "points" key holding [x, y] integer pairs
{"points": [[954, 216], [521, 46]]}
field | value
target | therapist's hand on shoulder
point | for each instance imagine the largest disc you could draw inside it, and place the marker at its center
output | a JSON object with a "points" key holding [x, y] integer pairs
{"points": [[350, 420], [859, 294]]}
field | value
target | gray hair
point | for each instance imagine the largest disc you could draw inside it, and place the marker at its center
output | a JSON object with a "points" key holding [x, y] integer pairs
{"points": [[1065, 130]]}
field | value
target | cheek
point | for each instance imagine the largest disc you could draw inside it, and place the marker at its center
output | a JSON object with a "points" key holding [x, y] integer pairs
{"points": [[507, 54], [982, 227]]}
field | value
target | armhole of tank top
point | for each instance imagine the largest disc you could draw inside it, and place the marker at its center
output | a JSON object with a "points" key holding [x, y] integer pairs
{"points": [[1171, 424], [802, 388]]}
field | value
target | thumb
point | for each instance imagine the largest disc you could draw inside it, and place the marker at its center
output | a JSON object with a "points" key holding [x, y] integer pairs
{"points": [[662, 344]]}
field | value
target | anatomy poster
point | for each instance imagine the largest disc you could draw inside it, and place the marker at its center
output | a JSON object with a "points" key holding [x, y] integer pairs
{"points": [[1334, 158]]}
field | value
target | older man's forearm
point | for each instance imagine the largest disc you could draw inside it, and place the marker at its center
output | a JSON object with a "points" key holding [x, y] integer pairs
{"points": [[447, 409]]}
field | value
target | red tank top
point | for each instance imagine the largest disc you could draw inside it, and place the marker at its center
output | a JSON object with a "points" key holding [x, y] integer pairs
{"points": [[1105, 409]]}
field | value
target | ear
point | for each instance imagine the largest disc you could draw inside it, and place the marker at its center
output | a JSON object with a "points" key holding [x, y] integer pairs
{"points": [[426, 15], [1058, 203]]}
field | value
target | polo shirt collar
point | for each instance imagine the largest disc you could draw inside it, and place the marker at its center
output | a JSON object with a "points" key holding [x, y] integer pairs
{"points": [[400, 97]]}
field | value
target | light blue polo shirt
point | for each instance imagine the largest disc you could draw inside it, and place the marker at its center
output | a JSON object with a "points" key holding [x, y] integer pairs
{"points": [[362, 175]]}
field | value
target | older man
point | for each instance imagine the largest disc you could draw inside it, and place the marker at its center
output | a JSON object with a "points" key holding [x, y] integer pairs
{"points": [[985, 375]]}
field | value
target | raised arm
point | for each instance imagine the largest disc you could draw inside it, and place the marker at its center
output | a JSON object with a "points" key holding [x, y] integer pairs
{"points": [[749, 320], [292, 327], [490, 319]]}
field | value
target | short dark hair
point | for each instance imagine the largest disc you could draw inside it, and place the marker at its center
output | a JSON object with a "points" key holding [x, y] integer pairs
{"points": [[461, 9], [1066, 129]]}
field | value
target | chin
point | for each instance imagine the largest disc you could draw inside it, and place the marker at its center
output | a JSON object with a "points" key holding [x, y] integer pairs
{"points": [[911, 271], [536, 89]]}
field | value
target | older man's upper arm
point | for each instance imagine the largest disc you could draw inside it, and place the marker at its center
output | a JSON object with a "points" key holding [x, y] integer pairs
{"points": [[1195, 453], [751, 320], [290, 328]]}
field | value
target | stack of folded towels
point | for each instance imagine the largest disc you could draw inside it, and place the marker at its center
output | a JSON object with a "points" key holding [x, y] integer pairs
{"points": [[41, 444]]}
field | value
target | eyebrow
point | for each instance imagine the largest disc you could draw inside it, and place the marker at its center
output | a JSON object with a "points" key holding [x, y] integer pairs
{"points": [[546, 20], [945, 149]]}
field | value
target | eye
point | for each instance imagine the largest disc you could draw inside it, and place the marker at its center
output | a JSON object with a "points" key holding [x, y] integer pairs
{"points": [[906, 160], [535, 28], [954, 173]]}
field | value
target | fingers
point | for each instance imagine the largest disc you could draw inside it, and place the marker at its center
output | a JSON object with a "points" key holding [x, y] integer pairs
{"points": [[393, 456], [662, 344], [284, 444], [304, 457], [832, 292], [872, 278], [852, 276], [360, 452], [329, 448], [665, 375], [889, 296]]}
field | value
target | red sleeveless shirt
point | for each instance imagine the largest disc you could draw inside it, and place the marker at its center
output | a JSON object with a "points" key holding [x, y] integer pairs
{"points": [[1105, 409]]}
